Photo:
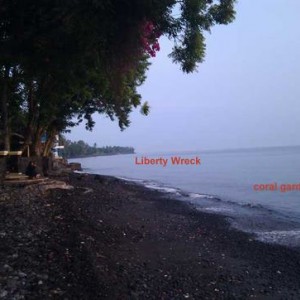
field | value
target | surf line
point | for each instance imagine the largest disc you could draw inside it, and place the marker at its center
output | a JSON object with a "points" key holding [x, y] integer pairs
{"points": [[175, 160]]}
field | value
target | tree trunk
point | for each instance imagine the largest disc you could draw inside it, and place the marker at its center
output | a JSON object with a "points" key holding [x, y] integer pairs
{"points": [[4, 110], [49, 143], [36, 146], [32, 108]]}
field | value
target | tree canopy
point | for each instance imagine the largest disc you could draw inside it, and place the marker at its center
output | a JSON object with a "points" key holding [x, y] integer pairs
{"points": [[77, 149], [65, 59]]}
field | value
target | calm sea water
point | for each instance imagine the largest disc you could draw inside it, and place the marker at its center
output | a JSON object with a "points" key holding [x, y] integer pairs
{"points": [[223, 183]]}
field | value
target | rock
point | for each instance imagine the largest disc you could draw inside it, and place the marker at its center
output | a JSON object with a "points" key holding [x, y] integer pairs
{"points": [[12, 283], [43, 276], [3, 294], [87, 191], [22, 274], [7, 267], [75, 166], [43, 186]]}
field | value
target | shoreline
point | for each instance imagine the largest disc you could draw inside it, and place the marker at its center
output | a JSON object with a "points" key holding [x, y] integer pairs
{"points": [[114, 239], [273, 217], [268, 225]]}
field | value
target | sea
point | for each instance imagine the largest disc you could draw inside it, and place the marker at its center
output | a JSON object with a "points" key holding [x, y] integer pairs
{"points": [[257, 190]]}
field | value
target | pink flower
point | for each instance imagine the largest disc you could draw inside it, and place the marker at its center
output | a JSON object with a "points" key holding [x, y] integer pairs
{"points": [[149, 38]]}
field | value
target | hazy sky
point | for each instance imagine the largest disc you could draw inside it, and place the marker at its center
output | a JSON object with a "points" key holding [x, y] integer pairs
{"points": [[245, 94]]}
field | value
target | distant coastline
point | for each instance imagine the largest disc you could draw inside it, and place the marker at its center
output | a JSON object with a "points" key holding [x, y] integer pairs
{"points": [[96, 155], [80, 149]]}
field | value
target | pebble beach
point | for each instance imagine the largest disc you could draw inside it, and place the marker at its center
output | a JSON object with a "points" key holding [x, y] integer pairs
{"points": [[111, 239]]}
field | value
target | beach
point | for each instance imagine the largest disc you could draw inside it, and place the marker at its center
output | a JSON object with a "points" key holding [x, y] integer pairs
{"points": [[112, 239]]}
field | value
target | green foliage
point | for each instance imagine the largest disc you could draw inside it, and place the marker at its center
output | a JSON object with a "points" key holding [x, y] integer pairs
{"points": [[82, 149], [66, 59], [196, 17]]}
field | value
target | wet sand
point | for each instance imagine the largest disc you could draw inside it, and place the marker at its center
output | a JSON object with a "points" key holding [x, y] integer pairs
{"points": [[111, 239]]}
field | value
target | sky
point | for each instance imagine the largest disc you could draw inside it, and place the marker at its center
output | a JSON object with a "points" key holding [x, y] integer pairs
{"points": [[246, 93]]}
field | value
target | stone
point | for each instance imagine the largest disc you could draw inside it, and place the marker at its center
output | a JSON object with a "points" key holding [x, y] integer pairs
{"points": [[3, 294]]}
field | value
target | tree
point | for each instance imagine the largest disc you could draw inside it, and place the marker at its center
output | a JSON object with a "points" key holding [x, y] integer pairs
{"points": [[81, 149], [74, 58]]}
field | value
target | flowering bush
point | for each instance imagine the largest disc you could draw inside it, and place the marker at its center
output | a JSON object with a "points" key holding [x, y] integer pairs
{"points": [[149, 38]]}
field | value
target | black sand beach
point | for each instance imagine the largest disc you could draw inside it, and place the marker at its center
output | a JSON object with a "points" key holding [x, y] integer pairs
{"points": [[110, 239]]}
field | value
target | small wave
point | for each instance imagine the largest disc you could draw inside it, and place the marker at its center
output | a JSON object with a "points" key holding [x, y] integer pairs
{"points": [[162, 188], [195, 196], [79, 172], [130, 179], [251, 205], [284, 237], [218, 209]]}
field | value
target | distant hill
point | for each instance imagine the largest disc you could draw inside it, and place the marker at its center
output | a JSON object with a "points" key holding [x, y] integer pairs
{"points": [[82, 149]]}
